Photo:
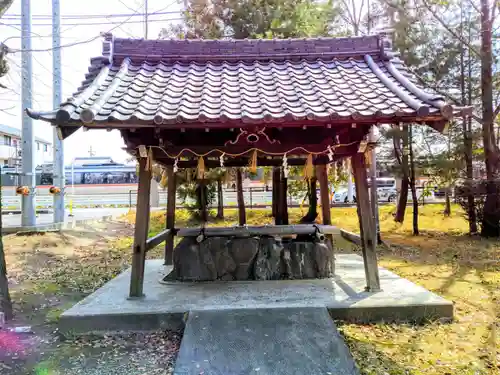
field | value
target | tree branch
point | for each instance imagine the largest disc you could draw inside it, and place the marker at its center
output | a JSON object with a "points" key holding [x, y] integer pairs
{"points": [[493, 11], [476, 8], [4, 6], [477, 118], [352, 19], [440, 92], [447, 28]]}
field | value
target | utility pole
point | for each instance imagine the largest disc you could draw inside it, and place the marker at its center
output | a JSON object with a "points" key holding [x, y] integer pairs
{"points": [[145, 19], [5, 302], [58, 148], [373, 157], [28, 218], [91, 152]]}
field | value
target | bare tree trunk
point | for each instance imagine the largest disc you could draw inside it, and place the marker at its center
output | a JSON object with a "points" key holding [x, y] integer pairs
{"points": [[403, 195], [220, 199], [491, 210], [412, 183], [467, 131], [5, 302], [312, 212], [447, 204]]}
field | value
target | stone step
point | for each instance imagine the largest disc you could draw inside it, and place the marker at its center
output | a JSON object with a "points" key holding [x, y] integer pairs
{"points": [[281, 341]]}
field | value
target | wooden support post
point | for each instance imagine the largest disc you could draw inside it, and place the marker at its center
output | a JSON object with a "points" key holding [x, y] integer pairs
{"points": [[283, 194], [202, 185], [141, 230], [220, 199], [366, 223], [324, 197], [171, 195], [276, 185], [241, 200], [322, 177]]}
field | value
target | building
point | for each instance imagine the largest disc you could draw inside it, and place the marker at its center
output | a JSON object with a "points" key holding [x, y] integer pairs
{"points": [[11, 146]]}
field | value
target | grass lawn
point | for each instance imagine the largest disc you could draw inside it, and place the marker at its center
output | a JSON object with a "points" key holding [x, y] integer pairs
{"points": [[443, 259], [49, 273]]}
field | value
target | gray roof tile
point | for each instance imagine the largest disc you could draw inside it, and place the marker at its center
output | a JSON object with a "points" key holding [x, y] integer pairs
{"points": [[252, 80]]}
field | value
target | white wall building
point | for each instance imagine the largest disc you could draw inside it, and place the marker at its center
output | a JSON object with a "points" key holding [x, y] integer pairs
{"points": [[11, 145]]}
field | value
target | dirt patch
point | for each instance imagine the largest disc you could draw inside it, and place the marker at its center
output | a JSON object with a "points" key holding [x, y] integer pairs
{"points": [[50, 272]]}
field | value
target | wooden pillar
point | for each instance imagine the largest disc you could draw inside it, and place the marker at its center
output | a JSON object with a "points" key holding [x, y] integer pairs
{"points": [[276, 186], [220, 199], [324, 197], [171, 195], [202, 185], [366, 223], [283, 204], [141, 230], [322, 177], [241, 200]]}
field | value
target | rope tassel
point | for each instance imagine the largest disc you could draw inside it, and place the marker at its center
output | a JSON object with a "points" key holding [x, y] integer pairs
{"points": [[309, 168], [253, 162], [163, 181], [201, 168], [368, 158]]}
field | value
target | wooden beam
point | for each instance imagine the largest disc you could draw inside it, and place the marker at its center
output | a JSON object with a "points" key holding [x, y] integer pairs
{"points": [[322, 177], [242, 220], [244, 161], [154, 241], [283, 194], [366, 223], [264, 230], [170, 222], [141, 230]]}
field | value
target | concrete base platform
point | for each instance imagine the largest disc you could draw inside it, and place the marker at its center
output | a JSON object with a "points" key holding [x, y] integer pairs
{"points": [[164, 305], [278, 341]]}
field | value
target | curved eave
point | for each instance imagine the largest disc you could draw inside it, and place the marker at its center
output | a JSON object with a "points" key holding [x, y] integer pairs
{"points": [[49, 116], [436, 121]]}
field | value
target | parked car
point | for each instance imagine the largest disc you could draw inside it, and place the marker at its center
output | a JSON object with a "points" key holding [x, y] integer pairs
{"points": [[386, 191]]}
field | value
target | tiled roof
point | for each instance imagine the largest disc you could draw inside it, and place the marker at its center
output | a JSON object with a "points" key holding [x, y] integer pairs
{"points": [[249, 81]]}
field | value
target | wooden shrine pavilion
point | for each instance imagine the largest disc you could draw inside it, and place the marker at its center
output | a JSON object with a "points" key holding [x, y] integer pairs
{"points": [[213, 103]]}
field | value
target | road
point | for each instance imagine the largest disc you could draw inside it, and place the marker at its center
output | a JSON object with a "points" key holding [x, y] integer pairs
{"points": [[13, 202], [78, 214]]}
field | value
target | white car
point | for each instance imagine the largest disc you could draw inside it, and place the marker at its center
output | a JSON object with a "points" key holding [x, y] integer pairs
{"points": [[386, 191], [386, 195]]}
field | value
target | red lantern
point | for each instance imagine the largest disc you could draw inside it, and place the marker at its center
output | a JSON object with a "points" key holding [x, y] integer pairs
{"points": [[54, 190], [22, 190]]}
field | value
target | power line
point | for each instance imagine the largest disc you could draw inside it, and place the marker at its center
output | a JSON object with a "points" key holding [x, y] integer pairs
{"points": [[74, 43], [91, 16], [98, 23], [36, 34]]}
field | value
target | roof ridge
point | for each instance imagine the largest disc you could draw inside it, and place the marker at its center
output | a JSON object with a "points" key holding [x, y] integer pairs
{"points": [[206, 50]]}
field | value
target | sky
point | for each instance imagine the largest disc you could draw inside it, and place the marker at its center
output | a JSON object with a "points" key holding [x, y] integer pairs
{"points": [[75, 60]]}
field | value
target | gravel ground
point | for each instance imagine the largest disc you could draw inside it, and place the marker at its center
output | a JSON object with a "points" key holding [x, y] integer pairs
{"points": [[50, 272], [125, 354]]}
